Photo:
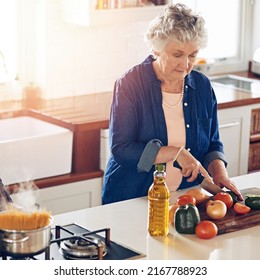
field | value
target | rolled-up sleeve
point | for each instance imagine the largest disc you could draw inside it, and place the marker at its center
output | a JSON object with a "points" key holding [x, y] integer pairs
{"points": [[148, 156], [212, 156]]}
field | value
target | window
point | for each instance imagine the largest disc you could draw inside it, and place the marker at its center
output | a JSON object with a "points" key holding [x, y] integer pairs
{"points": [[8, 40], [224, 25], [229, 29]]}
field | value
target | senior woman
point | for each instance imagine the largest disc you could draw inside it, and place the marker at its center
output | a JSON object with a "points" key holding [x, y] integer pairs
{"points": [[163, 111]]}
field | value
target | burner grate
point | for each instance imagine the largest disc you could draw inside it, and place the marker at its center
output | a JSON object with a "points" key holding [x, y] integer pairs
{"points": [[70, 246]]}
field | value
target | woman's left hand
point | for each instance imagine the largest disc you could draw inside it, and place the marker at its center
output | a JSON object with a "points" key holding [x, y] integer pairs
{"points": [[220, 177], [222, 180]]}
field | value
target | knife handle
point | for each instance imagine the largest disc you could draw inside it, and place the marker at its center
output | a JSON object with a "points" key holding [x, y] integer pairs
{"points": [[176, 164], [200, 177]]}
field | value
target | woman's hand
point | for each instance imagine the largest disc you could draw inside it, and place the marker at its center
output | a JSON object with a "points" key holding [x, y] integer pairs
{"points": [[221, 178], [191, 166]]}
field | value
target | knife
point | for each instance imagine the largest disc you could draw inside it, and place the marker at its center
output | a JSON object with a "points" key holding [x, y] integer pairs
{"points": [[205, 183]]}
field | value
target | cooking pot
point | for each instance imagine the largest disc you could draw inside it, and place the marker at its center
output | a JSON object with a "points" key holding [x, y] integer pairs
{"points": [[25, 243]]}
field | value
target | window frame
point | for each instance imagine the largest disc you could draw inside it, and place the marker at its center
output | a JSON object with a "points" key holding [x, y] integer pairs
{"points": [[240, 62]]}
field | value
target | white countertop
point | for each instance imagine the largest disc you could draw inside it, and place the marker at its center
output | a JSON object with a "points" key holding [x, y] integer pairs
{"points": [[128, 223]]}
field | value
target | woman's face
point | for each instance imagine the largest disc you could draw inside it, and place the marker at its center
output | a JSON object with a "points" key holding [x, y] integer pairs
{"points": [[176, 60]]}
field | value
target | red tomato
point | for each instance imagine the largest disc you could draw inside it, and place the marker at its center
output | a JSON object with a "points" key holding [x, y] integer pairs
{"points": [[240, 208], [206, 229], [186, 199], [225, 197]]}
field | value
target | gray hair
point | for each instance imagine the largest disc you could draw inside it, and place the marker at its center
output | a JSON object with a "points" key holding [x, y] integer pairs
{"points": [[177, 22]]}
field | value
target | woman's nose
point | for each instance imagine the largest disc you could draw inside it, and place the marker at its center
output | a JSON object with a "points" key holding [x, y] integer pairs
{"points": [[185, 62]]}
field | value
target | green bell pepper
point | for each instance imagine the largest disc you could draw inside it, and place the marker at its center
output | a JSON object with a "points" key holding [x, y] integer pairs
{"points": [[186, 219]]}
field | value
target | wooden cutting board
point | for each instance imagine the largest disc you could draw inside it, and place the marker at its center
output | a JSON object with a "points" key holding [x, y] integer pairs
{"points": [[232, 221]]}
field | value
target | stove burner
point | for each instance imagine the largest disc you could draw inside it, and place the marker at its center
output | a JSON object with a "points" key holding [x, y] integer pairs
{"points": [[83, 247]]}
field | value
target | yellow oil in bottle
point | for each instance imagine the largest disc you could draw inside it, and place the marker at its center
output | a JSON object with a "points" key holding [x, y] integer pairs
{"points": [[158, 196]]}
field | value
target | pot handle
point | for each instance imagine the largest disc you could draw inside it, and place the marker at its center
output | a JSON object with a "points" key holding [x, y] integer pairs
{"points": [[16, 240]]}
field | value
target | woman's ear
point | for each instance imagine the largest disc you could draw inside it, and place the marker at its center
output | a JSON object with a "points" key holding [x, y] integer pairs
{"points": [[156, 54]]}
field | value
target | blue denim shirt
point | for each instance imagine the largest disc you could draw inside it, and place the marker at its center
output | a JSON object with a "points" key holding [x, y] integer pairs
{"points": [[138, 129]]}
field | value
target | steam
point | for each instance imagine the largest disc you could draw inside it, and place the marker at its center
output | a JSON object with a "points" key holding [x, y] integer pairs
{"points": [[25, 195]]}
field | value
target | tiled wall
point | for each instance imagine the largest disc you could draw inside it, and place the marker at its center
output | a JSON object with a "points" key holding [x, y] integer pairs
{"points": [[76, 60]]}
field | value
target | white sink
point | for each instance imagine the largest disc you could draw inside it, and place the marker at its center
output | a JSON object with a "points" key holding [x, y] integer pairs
{"points": [[33, 149], [242, 83]]}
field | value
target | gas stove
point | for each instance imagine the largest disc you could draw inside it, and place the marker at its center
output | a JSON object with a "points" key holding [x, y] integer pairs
{"points": [[74, 242]]}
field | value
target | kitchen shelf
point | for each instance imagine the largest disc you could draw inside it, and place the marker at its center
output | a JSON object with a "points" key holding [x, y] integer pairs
{"points": [[85, 14], [254, 157], [255, 122]]}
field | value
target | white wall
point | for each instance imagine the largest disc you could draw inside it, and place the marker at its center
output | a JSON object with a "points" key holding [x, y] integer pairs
{"points": [[256, 24], [75, 60]]}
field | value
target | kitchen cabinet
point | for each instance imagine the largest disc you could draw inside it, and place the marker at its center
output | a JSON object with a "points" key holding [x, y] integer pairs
{"points": [[230, 128], [65, 198], [72, 196], [234, 127], [86, 14]]}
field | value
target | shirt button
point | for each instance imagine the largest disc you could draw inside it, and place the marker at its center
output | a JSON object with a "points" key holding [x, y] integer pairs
{"points": [[186, 86], [185, 104], [187, 125], [188, 149]]}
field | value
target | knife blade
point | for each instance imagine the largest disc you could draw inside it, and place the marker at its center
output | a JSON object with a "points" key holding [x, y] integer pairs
{"points": [[207, 185], [203, 182]]}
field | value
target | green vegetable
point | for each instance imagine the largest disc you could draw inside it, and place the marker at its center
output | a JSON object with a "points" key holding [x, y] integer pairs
{"points": [[186, 218], [253, 201]]}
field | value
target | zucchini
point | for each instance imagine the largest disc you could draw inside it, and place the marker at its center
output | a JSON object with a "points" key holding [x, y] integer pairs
{"points": [[253, 201]]}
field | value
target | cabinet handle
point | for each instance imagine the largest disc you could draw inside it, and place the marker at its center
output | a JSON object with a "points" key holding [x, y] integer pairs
{"points": [[229, 124]]}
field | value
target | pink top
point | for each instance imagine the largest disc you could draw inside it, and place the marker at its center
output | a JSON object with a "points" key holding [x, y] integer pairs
{"points": [[176, 135]]}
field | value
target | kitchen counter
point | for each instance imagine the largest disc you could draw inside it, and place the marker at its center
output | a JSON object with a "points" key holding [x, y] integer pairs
{"points": [[128, 223]]}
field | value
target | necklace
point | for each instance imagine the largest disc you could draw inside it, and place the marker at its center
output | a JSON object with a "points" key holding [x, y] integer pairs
{"points": [[179, 101]]}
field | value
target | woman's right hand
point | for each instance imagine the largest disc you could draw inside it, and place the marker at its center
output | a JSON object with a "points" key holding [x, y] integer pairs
{"points": [[190, 166]]}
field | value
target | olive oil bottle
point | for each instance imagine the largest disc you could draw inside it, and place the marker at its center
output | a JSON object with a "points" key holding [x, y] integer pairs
{"points": [[159, 196]]}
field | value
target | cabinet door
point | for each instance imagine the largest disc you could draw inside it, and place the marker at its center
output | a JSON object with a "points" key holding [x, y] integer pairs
{"points": [[230, 134], [72, 196], [234, 127]]}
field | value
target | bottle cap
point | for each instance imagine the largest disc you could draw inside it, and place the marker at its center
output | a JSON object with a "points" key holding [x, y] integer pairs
{"points": [[160, 167]]}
